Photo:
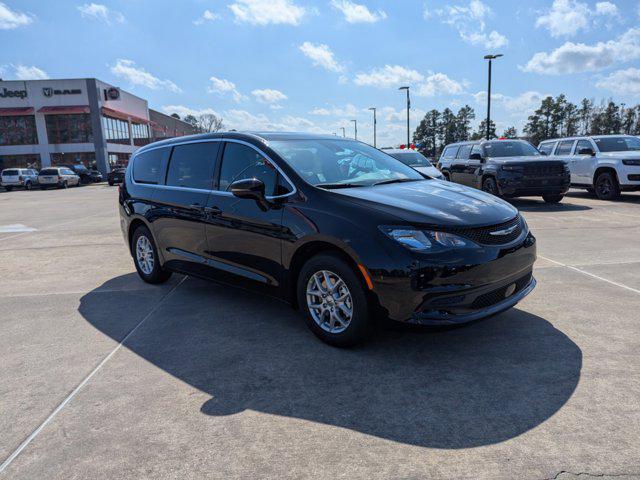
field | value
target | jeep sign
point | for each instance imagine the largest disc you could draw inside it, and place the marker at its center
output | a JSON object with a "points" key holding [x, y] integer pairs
{"points": [[13, 93]]}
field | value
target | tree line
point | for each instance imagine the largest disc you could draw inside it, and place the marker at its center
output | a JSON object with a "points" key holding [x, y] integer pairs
{"points": [[556, 117], [203, 123]]}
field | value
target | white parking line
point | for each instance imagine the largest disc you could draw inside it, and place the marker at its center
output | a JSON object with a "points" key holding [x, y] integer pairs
{"points": [[584, 272], [15, 228], [35, 433], [56, 225]]}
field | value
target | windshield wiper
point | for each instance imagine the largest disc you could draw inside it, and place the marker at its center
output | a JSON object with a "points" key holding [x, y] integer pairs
{"points": [[338, 185], [397, 180]]}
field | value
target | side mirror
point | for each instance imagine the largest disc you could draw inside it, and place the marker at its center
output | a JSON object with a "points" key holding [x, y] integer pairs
{"points": [[248, 188], [586, 151], [475, 156], [252, 189]]}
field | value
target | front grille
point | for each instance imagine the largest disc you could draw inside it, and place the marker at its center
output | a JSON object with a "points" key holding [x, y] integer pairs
{"points": [[489, 236], [486, 300], [543, 169]]}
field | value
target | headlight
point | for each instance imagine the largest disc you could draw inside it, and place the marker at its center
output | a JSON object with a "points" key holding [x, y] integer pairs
{"points": [[425, 240], [635, 163], [512, 168]]}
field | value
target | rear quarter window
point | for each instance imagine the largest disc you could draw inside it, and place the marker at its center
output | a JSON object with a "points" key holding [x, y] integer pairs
{"points": [[147, 166]]}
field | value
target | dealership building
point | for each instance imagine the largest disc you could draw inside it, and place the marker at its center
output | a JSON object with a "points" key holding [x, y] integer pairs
{"points": [[60, 122]]}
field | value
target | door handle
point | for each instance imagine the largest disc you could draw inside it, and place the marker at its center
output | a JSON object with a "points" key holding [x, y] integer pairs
{"points": [[212, 210]]}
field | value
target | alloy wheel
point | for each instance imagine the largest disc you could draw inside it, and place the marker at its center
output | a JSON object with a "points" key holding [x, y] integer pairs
{"points": [[329, 301], [144, 255], [605, 186]]}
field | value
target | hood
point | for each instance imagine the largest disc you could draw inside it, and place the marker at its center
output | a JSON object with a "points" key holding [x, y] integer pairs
{"points": [[430, 171], [433, 202], [526, 159], [630, 155]]}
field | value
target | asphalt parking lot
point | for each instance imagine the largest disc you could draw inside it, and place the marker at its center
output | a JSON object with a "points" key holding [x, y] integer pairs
{"points": [[104, 376]]}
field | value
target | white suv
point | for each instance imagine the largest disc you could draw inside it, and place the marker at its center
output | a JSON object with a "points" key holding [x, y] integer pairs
{"points": [[18, 177], [604, 164]]}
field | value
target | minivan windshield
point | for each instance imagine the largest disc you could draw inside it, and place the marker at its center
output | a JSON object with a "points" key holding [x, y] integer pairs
{"points": [[506, 148], [617, 144], [413, 159], [340, 163]]}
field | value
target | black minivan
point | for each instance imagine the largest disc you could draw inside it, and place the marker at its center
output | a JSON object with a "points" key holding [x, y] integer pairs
{"points": [[339, 229]]}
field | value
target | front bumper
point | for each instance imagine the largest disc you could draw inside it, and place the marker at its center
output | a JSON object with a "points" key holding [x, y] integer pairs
{"points": [[523, 187], [458, 287]]}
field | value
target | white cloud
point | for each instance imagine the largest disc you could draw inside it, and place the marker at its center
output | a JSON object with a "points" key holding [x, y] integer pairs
{"points": [[127, 69], [388, 76], [264, 12], [349, 110], [321, 56], [622, 82], [23, 72], [567, 17], [100, 12], [207, 16], [357, 13], [268, 95], [520, 104], [10, 19], [184, 111], [470, 21], [439, 84], [579, 57], [223, 87]]}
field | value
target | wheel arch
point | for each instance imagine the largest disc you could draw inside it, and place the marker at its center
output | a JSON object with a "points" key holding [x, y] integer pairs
{"points": [[605, 169]]}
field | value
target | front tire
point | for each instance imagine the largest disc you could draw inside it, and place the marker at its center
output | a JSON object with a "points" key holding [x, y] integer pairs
{"points": [[333, 300], [489, 185], [145, 257], [607, 187], [552, 198], [27, 186]]}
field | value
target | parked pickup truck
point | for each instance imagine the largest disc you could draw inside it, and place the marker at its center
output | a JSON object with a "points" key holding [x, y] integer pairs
{"points": [[505, 168], [603, 164]]}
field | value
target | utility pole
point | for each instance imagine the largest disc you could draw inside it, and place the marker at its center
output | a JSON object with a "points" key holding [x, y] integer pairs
{"points": [[408, 108], [490, 58], [355, 129], [375, 122]]}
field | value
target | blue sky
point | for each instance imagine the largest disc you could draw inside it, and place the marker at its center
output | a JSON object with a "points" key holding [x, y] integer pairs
{"points": [[315, 65]]}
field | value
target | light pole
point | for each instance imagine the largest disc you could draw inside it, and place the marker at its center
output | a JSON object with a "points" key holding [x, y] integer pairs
{"points": [[490, 58], [355, 129], [408, 108], [375, 123], [344, 133]]}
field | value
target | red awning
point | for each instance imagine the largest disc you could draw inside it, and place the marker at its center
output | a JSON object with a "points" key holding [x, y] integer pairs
{"points": [[6, 112], [110, 112], [65, 109]]}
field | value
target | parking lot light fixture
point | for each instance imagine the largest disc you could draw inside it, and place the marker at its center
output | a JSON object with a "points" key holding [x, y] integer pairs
{"points": [[355, 129], [408, 109], [490, 58], [375, 122]]}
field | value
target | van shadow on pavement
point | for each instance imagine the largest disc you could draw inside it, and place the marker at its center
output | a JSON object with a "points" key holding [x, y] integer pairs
{"points": [[529, 205], [478, 385]]}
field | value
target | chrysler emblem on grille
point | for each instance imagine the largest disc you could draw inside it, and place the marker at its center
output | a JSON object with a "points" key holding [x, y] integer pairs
{"points": [[504, 231]]}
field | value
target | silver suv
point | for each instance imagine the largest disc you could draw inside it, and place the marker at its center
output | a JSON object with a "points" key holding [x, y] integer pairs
{"points": [[18, 177], [603, 164]]}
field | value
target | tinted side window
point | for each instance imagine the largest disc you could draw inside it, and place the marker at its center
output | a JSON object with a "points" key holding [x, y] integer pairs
{"points": [[476, 149], [564, 148], [450, 152], [464, 152], [240, 162], [546, 148], [192, 165], [146, 167], [583, 144]]}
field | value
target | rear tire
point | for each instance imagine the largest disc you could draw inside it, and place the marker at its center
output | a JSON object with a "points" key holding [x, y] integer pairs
{"points": [[8, 189], [110, 183], [489, 185], [27, 186], [341, 317], [607, 187], [552, 198], [145, 257]]}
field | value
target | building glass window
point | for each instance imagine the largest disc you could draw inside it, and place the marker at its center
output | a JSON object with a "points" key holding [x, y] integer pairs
{"points": [[18, 130], [88, 159], [73, 128], [118, 160], [116, 130], [140, 133], [20, 161]]}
